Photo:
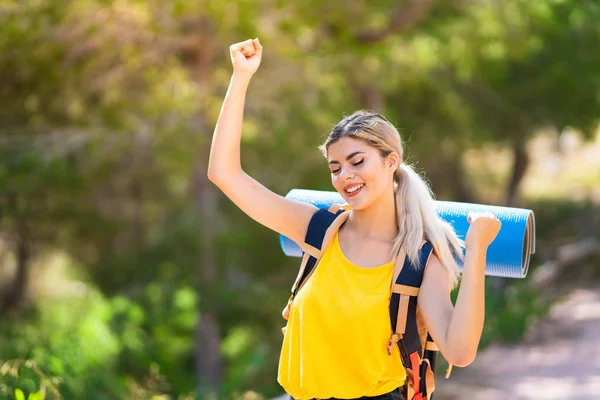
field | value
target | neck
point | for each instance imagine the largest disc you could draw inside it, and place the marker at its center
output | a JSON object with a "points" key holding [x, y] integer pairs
{"points": [[377, 221]]}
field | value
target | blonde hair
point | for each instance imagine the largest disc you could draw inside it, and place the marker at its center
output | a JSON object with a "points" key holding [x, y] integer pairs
{"points": [[416, 214]]}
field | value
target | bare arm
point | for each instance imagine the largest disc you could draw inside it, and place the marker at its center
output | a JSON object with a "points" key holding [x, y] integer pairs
{"points": [[457, 329], [282, 215]]}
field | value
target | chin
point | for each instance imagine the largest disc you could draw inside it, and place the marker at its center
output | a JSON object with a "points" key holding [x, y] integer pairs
{"points": [[359, 203], [360, 206]]}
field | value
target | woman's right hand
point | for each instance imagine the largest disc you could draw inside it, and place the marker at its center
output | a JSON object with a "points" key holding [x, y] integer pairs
{"points": [[246, 56]]}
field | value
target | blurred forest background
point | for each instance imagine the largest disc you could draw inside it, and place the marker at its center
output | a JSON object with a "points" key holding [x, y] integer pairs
{"points": [[125, 274]]}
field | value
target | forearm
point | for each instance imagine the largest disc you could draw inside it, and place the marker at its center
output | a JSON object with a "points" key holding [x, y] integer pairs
{"points": [[466, 325], [225, 149]]}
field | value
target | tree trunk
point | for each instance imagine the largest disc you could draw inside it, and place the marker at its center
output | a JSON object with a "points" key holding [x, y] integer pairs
{"points": [[370, 98], [203, 193], [402, 18], [459, 186], [519, 167], [15, 293], [520, 164], [208, 339], [208, 356]]}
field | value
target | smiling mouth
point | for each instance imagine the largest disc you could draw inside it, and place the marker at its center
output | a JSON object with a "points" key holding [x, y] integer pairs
{"points": [[354, 190]]}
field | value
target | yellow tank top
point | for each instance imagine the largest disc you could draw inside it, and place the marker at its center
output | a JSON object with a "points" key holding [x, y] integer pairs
{"points": [[336, 340]]}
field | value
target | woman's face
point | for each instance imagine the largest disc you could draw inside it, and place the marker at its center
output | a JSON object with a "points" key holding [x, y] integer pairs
{"points": [[359, 173]]}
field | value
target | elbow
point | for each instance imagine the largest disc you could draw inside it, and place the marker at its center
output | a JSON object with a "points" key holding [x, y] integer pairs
{"points": [[220, 177], [461, 359], [212, 175], [221, 170]]}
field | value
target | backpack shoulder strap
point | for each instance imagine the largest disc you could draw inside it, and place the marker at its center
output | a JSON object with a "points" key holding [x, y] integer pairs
{"points": [[315, 233], [403, 318], [321, 229], [403, 301]]}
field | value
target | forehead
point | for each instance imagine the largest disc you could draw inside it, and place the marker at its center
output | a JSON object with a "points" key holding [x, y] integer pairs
{"points": [[345, 146]]}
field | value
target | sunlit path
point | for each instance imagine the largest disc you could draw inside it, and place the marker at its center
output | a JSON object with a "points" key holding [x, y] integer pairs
{"points": [[559, 359]]}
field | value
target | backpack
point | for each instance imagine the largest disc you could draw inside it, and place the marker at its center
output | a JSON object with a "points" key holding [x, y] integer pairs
{"points": [[417, 348]]}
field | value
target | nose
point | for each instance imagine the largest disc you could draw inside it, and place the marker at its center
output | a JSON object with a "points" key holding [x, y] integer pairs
{"points": [[346, 174]]}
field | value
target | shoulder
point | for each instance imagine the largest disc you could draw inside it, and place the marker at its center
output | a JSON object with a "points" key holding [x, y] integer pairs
{"points": [[436, 276]]}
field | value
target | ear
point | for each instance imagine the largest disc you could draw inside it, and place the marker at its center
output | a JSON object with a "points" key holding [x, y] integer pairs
{"points": [[393, 161]]}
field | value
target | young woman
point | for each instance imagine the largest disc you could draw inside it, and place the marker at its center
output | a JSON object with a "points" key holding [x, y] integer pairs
{"points": [[335, 342]]}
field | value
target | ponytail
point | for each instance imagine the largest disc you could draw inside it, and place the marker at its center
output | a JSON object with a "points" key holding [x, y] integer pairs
{"points": [[417, 219]]}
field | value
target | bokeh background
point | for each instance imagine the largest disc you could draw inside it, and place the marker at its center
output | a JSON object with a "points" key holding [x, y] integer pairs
{"points": [[125, 274]]}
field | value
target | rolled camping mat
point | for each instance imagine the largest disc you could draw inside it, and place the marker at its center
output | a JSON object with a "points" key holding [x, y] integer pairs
{"points": [[508, 256]]}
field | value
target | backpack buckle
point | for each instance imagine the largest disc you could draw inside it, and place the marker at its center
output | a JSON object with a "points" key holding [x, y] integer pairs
{"points": [[393, 340]]}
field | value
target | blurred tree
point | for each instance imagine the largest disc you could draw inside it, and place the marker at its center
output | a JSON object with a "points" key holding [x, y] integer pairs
{"points": [[523, 66]]}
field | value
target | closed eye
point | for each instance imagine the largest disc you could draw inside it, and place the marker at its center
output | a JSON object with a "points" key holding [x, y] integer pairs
{"points": [[335, 171]]}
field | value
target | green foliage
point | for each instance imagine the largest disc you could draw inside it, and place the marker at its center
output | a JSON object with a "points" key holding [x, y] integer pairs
{"points": [[32, 396], [27, 375], [96, 345], [68, 338]]}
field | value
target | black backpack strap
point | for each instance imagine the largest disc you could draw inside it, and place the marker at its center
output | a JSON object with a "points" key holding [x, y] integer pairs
{"points": [[313, 243], [403, 318], [318, 225], [403, 304], [312, 247], [316, 235]]}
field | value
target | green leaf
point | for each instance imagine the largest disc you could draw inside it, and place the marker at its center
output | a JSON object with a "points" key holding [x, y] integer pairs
{"points": [[36, 396], [19, 394]]}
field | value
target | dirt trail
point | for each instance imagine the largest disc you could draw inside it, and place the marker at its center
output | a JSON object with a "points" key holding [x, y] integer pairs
{"points": [[558, 359]]}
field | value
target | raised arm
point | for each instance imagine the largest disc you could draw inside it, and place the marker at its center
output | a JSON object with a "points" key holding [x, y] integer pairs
{"points": [[457, 329], [282, 215]]}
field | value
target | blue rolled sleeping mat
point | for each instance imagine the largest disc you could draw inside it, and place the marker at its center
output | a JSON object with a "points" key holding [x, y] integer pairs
{"points": [[508, 256]]}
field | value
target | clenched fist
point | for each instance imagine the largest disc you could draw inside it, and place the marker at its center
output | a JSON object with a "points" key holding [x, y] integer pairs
{"points": [[246, 56], [483, 230]]}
